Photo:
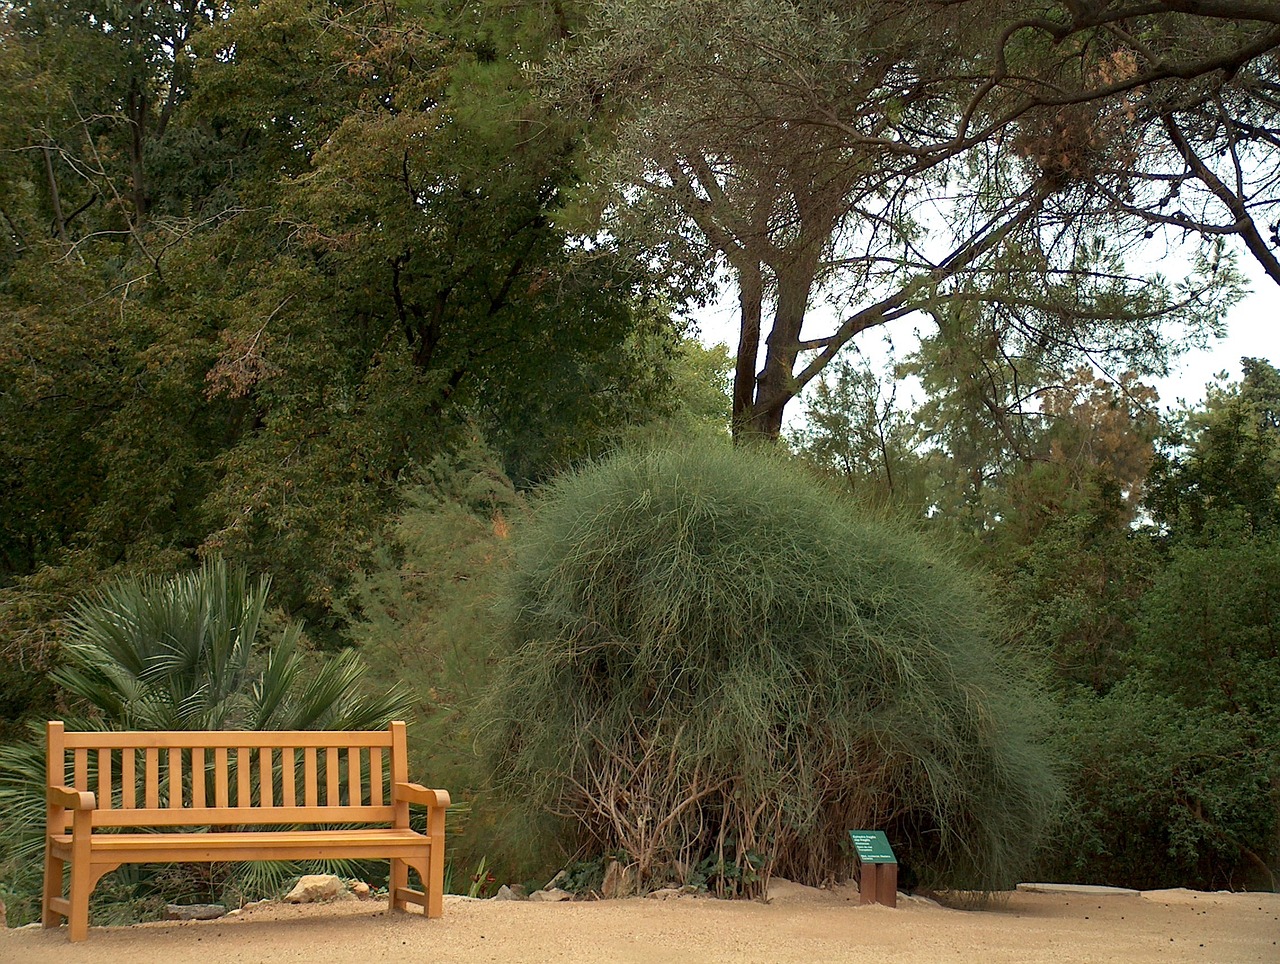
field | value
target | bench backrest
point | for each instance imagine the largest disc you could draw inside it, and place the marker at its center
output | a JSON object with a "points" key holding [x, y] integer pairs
{"points": [[230, 777]]}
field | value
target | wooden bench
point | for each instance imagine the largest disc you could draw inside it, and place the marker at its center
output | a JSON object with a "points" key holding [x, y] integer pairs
{"points": [[166, 796]]}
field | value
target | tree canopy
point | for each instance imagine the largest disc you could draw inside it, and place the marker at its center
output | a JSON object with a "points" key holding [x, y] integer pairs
{"points": [[892, 158]]}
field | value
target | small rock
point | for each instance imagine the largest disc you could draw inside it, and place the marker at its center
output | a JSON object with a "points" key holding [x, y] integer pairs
{"points": [[917, 899], [194, 911], [360, 889], [315, 887], [506, 893], [665, 893], [787, 891], [551, 884], [555, 894]]}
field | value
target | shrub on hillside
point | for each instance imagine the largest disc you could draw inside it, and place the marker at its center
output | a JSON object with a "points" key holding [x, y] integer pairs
{"points": [[716, 667]]}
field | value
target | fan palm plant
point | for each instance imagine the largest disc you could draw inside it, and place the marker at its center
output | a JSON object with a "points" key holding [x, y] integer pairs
{"points": [[182, 653]]}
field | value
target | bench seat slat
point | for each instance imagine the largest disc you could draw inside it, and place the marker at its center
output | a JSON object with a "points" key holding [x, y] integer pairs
{"points": [[367, 842]]}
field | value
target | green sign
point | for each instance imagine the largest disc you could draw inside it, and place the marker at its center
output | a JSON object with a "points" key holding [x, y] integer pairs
{"points": [[873, 847]]}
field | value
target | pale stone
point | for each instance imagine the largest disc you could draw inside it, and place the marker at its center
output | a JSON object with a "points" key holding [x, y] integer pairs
{"points": [[555, 894], [788, 891], [664, 893], [506, 893], [315, 887]]}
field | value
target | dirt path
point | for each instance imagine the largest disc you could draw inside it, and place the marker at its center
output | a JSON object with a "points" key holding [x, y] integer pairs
{"points": [[799, 925]]}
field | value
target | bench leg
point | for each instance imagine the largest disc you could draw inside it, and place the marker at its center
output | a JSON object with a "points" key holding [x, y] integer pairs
{"points": [[52, 888], [399, 879], [434, 883], [81, 887]]}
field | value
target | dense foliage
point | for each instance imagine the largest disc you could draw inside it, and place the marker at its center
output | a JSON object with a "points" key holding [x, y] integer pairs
{"points": [[714, 661], [1143, 563], [325, 288]]}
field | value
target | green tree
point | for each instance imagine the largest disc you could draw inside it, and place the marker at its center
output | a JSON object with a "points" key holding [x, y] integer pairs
{"points": [[1225, 458], [340, 254], [802, 147], [855, 428]]}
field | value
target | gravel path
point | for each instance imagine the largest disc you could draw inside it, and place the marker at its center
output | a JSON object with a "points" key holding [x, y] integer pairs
{"points": [[798, 925]]}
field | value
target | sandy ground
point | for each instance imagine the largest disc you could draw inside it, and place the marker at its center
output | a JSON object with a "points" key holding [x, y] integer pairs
{"points": [[798, 925]]}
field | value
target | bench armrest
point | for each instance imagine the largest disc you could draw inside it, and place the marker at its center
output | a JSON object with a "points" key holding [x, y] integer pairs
{"points": [[414, 793], [72, 799]]}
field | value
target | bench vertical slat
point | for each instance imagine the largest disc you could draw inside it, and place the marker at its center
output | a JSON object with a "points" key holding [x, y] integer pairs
{"points": [[104, 780], [220, 796], [375, 776], [243, 773], [312, 796], [82, 768], [197, 777], [288, 776], [128, 779], [175, 778], [265, 796], [331, 776], [354, 792], [151, 792]]}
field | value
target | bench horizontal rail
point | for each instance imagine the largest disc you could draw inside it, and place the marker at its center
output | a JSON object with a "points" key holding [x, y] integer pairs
{"points": [[228, 739], [232, 816]]}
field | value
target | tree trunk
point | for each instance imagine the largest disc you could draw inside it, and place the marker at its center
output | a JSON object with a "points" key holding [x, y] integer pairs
{"points": [[750, 301], [137, 113], [775, 386], [55, 199]]}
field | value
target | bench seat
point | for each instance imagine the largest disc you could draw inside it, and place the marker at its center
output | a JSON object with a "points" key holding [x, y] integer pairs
{"points": [[206, 847]]}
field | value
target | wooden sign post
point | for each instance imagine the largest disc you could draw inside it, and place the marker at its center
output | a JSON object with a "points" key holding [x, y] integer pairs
{"points": [[878, 882]]}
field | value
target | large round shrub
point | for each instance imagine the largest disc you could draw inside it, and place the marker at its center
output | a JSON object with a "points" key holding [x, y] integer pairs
{"points": [[717, 667]]}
